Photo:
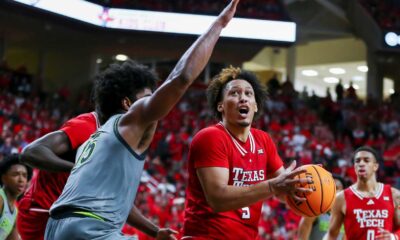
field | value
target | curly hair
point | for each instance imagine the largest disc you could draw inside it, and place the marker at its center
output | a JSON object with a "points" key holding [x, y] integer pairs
{"points": [[119, 81], [217, 87], [10, 161]]}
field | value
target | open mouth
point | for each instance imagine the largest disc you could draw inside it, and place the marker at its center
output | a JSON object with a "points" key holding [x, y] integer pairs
{"points": [[244, 110]]}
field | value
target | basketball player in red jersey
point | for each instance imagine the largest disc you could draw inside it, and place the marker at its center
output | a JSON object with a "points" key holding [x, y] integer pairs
{"points": [[368, 208], [233, 166]]}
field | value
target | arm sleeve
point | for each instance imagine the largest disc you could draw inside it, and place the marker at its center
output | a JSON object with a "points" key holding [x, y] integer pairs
{"points": [[208, 149], [79, 130], [274, 161]]}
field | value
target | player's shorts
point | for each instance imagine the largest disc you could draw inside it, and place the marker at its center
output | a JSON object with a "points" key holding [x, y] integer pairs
{"points": [[73, 226], [31, 224]]}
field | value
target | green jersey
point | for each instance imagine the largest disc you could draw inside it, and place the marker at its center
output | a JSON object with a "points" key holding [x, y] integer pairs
{"points": [[7, 219]]}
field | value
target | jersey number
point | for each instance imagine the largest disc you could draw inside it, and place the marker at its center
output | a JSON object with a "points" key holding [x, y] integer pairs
{"points": [[246, 213], [88, 149], [371, 235]]}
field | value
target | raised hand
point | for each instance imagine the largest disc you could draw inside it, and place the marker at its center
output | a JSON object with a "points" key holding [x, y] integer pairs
{"points": [[287, 183], [227, 14], [166, 234]]}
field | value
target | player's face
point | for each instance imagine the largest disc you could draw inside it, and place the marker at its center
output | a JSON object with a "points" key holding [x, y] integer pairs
{"points": [[238, 104], [365, 165], [16, 179]]}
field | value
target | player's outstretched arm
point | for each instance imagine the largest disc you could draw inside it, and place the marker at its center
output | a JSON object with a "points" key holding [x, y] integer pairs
{"points": [[305, 227], [223, 197], [188, 68], [137, 220], [44, 153], [337, 217]]}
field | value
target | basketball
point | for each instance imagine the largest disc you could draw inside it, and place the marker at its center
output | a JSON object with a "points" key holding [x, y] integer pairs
{"points": [[322, 197]]}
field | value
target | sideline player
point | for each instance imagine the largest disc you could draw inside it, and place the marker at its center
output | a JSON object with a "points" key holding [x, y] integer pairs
{"points": [[99, 193], [14, 178], [315, 228], [368, 209], [232, 166]]}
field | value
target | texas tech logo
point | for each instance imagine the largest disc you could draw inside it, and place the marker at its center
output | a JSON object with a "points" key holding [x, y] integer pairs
{"points": [[244, 178], [371, 218]]}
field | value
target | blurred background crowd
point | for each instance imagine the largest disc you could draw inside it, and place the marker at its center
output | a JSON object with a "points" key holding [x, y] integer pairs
{"points": [[306, 126]]}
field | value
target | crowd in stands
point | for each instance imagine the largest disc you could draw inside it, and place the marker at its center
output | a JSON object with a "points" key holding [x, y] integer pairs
{"points": [[260, 9], [26, 112], [310, 129], [386, 13]]}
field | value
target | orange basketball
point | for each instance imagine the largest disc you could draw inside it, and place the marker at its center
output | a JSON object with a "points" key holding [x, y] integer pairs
{"points": [[322, 197]]}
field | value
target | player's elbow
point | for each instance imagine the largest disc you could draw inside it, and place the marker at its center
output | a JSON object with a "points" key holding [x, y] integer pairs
{"points": [[186, 79], [216, 205], [182, 76], [26, 154]]}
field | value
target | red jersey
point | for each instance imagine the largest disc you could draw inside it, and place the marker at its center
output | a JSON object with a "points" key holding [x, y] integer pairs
{"points": [[248, 163], [46, 187], [366, 215]]}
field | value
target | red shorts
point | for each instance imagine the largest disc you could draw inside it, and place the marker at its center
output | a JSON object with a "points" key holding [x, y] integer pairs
{"points": [[31, 225]]}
